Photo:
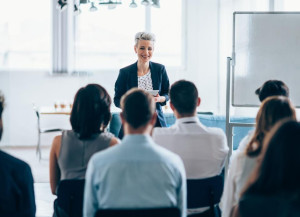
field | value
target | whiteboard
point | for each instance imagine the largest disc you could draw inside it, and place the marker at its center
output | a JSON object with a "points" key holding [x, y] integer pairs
{"points": [[266, 45]]}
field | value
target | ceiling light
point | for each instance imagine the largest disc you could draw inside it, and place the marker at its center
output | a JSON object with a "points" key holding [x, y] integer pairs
{"points": [[77, 10], [133, 4], [110, 3], [93, 7], [111, 6], [62, 5], [145, 2], [155, 3]]}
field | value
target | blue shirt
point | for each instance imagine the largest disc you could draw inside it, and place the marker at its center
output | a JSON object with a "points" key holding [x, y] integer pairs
{"points": [[134, 174]]}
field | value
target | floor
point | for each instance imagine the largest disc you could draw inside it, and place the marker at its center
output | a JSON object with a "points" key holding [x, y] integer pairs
{"points": [[40, 170]]}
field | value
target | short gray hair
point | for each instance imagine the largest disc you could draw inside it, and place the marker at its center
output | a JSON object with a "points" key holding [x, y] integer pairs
{"points": [[144, 36]]}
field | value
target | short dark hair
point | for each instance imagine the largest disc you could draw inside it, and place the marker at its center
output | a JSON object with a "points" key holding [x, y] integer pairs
{"points": [[91, 111], [184, 96], [138, 107], [1, 103], [272, 88]]}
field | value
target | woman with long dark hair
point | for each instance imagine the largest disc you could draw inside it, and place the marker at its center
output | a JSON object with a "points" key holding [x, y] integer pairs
{"points": [[274, 186], [272, 110]]}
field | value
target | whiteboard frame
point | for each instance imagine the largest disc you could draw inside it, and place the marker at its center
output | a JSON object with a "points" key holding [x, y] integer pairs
{"points": [[233, 52], [230, 87]]}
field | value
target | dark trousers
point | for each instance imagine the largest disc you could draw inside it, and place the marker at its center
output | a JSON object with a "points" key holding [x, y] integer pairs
{"points": [[121, 132]]}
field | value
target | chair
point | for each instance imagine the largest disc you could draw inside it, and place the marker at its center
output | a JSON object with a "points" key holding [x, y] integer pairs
{"points": [[70, 198], [148, 212], [40, 131], [205, 192]]}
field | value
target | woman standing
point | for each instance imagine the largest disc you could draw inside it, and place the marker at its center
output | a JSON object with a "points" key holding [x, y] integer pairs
{"points": [[144, 74]]}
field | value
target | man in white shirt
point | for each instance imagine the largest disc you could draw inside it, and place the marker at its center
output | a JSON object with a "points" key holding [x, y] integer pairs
{"points": [[137, 173], [202, 149]]}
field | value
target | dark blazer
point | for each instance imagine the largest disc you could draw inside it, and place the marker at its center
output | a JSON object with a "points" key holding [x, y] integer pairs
{"points": [[128, 79], [16, 188]]}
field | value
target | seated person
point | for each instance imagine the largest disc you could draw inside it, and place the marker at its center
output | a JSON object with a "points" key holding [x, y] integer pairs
{"points": [[71, 151], [202, 149], [16, 183], [137, 173], [269, 88], [273, 188], [272, 110], [272, 88]]}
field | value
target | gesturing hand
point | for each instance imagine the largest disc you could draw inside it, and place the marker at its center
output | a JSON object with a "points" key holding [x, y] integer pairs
{"points": [[159, 98]]}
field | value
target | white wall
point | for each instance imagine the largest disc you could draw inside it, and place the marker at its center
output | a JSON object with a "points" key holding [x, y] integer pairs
{"points": [[23, 88], [202, 50]]}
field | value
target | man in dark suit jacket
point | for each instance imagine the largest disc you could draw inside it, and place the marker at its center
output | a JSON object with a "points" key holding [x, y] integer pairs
{"points": [[16, 183]]}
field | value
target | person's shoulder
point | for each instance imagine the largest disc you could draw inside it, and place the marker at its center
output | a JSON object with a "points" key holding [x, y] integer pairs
{"points": [[170, 158], [162, 131], [215, 131], [166, 155], [106, 135], [13, 162], [128, 68], [157, 65], [105, 156]]}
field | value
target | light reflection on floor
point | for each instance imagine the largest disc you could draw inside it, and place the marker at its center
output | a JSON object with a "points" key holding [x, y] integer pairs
{"points": [[43, 199]]}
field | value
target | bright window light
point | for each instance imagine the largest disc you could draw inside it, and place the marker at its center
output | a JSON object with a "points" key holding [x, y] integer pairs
{"points": [[105, 38], [25, 34]]}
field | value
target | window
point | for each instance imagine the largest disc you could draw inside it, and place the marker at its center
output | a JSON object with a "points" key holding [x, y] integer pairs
{"points": [[105, 38], [25, 34], [291, 5], [166, 24]]}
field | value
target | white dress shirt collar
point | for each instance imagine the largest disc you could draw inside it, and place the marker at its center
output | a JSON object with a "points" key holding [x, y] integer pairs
{"points": [[188, 120]]}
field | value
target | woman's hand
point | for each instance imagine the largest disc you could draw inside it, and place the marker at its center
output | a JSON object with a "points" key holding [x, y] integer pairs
{"points": [[159, 98]]}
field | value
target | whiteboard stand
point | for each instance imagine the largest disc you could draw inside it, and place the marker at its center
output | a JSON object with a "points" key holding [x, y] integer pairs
{"points": [[230, 125]]}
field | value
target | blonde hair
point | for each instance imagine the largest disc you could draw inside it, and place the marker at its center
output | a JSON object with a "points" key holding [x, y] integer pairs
{"points": [[272, 110]]}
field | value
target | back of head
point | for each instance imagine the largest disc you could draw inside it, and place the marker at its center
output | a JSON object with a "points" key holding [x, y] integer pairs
{"points": [[91, 111], [272, 110], [138, 107], [1, 110], [279, 170], [184, 97], [272, 88]]}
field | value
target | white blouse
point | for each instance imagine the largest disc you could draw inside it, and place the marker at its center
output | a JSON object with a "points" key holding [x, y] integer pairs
{"points": [[240, 168], [145, 81]]}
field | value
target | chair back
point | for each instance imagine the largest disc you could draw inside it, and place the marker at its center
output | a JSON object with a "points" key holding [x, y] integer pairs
{"points": [[70, 196], [149, 212], [204, 192], [36, 111]]}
